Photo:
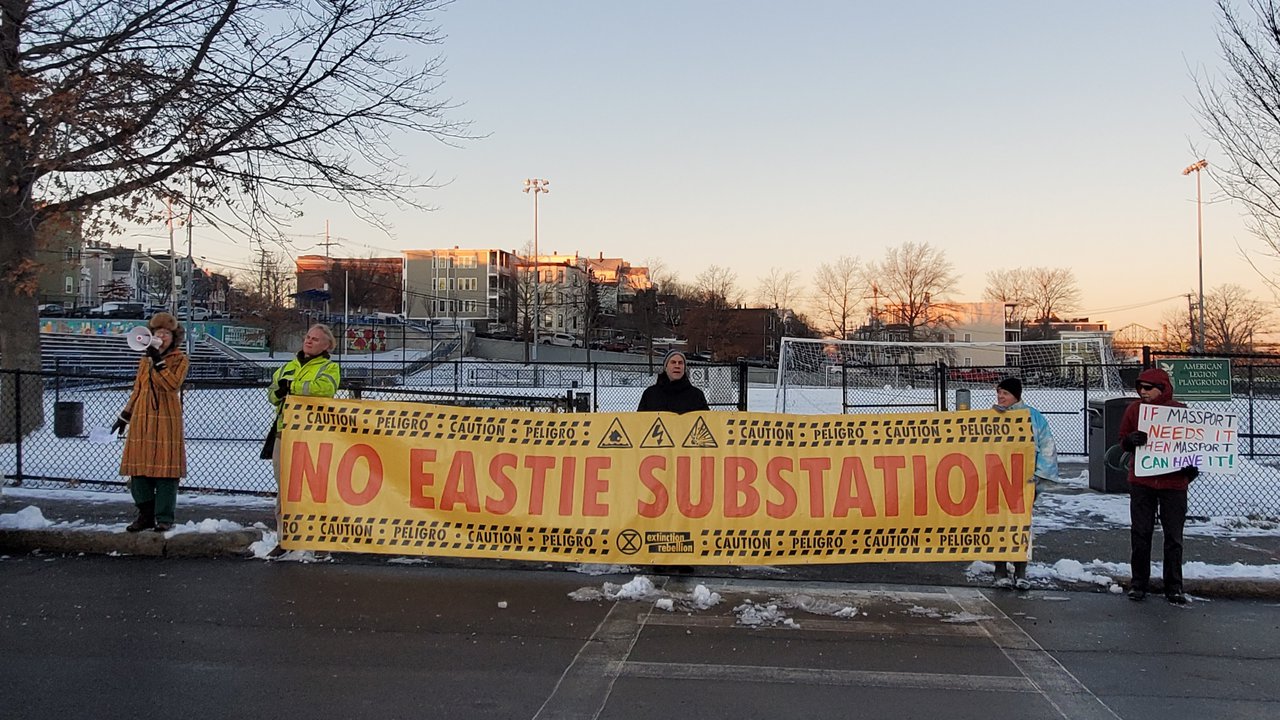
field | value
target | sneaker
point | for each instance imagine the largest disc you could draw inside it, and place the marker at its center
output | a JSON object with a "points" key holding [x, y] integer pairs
{"points": [[1003, 582], [1176, 597], [1136, 594], [1022, 583]]}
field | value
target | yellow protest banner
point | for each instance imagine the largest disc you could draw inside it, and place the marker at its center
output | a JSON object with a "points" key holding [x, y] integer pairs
{"points": [[641, 488]]}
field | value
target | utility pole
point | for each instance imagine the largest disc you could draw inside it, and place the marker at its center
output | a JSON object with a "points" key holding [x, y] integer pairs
{"points": [[328, 270], [173, 262], [262, 268], [190, 269], [1197, 167]]}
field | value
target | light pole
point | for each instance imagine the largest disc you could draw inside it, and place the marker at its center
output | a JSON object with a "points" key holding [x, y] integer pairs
{"points": [[1196, 167], [536, 186]]}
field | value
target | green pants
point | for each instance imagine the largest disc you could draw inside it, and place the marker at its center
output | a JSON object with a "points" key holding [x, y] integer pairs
{"points": [[161, 491]]}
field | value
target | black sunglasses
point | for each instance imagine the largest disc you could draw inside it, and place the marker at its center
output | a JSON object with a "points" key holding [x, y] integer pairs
{"points": [[1149, 386]]}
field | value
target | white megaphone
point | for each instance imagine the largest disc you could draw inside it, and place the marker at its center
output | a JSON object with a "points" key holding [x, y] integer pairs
{"points": [[140, 338]]}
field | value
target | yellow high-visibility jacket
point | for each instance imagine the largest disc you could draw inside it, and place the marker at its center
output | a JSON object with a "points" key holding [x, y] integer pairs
{"points": [[315, 377]]}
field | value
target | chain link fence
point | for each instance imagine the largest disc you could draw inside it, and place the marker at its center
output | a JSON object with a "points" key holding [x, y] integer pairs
{"points": [[226, 420]]}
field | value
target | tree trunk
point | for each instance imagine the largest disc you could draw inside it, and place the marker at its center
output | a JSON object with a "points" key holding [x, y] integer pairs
{"points": [[19, 330]]}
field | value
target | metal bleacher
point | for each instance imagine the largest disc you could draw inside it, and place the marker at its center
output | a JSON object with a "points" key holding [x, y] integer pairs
{"points": [[110, 355]]}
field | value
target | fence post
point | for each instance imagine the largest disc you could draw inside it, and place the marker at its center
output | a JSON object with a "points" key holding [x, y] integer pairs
{"points": [[1252, 434], [595, 387], [940, 385], [17, 427], [743, 385]]}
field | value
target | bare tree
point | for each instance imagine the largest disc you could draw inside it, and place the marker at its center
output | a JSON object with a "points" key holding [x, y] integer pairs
{"points": [[1177, 329], [838, 288], [717, 287], [1240, 116], [1232, 317], [779, 289], [361, 285], [237, 109], [1042, 294], [1008, 286], [1053, 292], [259, 301], [661, 275], [915, 278]]}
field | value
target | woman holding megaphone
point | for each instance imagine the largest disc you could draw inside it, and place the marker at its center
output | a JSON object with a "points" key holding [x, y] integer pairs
{"points": [[155, 455]]}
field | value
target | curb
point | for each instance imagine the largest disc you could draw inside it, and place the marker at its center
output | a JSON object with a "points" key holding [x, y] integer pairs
{"points": [[151, 544], [235, 544]]}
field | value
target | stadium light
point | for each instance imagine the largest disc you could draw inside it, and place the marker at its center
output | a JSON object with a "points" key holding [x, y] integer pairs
{"points": [[536, 186], [1196, 167]]}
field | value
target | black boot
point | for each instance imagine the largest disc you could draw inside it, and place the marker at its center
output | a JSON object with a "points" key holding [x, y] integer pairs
{"points": [[146, 517]]}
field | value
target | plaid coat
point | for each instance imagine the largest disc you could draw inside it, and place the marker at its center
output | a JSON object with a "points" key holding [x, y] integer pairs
{"points": [[155, 446]]}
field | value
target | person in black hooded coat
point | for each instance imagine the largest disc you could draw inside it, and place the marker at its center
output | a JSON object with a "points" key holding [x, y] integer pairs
{"points": [[672, 392]]}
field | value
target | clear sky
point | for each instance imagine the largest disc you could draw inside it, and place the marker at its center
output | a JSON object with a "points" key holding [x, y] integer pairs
{"points": [[754, 135]]}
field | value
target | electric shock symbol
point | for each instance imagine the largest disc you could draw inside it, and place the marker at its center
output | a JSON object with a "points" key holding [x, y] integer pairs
{"points": [[657, 437]]}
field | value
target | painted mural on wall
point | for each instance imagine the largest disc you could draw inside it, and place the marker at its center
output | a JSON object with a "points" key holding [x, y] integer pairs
{"points": [[366, 339], [243, 338]]}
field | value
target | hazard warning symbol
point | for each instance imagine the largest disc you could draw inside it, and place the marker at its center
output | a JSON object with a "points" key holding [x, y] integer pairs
{"points": [[658, 436], [615, 437], [700, 436]]}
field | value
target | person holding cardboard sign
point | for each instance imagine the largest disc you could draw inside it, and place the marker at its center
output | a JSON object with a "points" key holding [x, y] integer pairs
{"points": [[1151, 494]]}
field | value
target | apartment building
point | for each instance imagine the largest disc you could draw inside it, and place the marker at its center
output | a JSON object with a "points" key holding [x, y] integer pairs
{"points": [[476, 285]]}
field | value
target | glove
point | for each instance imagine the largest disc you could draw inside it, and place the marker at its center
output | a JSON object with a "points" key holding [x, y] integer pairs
{"points": [[157, 360], [282, 387], [1190, 472], [122, 422], [1137, 438]]}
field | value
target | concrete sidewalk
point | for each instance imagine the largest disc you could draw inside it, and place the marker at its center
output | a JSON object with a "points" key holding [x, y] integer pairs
{"points": [[93, 522]]}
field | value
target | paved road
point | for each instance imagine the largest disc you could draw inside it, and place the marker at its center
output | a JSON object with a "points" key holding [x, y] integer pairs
{"points": [[102, 637]]}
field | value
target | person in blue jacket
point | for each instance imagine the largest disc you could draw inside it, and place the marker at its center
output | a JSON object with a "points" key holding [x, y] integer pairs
{"points": [[1009, 397]]}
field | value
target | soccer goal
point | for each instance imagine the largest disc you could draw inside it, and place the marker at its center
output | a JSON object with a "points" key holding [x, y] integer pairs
{"points": [[821, 376]]}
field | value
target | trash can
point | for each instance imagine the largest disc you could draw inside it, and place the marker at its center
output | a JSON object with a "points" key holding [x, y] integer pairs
{"points": [[1104, 431], [68, 419]]}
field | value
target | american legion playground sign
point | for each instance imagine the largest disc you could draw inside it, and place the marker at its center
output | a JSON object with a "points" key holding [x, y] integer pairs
{"points": [[709, 488]]}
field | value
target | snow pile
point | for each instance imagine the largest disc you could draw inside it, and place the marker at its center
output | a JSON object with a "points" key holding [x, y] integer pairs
{"points": [[751, 614], [820, 606], [601, 569], [28, 518], [208, 525], [641, 588]]}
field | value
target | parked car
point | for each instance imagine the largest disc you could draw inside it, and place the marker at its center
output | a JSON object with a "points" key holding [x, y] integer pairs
{"points": [[51, 310], [561, 339], [197, 314], [974, 375], [119, 311]]}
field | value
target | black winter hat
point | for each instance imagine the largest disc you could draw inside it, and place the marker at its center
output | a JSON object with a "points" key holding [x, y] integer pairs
{"points": [[1011, 385]]}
